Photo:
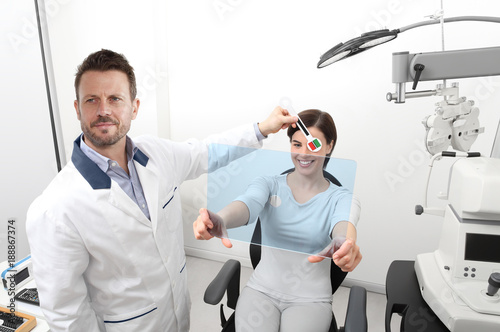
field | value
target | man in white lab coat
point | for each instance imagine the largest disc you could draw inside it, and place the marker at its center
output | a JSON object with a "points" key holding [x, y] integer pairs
{"points": [[106, 235]]}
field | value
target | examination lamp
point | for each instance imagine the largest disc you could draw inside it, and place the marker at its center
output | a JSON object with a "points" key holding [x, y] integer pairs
{"points": [[374, 38], [356, 45]]}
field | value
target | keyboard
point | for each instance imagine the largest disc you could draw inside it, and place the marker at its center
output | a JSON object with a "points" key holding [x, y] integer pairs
{"points": [[28, 295], [10, 322], [15, 323]]}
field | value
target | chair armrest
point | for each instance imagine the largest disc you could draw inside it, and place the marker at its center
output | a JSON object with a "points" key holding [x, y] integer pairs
{"points": [[228, 279], [356, 320]]}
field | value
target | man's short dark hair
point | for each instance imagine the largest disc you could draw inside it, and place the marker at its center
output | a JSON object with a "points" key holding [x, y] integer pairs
{"points": [[105, 60]]}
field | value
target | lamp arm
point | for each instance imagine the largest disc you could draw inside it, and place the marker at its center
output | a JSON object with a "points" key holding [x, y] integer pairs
{"points": [[441, 65], [491, 19]]}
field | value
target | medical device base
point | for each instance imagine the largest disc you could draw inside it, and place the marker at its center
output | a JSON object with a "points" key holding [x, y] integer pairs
{"points": [[450, 309], [454, 281]]}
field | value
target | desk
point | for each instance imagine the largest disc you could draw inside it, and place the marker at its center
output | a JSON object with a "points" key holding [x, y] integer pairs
{"points": [[404, 298], [26, 308]]}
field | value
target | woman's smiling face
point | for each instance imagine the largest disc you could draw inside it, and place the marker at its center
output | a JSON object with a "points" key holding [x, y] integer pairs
{"points": [[305, 161]]}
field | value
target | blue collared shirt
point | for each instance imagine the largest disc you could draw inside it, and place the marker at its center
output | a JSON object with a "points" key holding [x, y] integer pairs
{"points": [[129, 183]]}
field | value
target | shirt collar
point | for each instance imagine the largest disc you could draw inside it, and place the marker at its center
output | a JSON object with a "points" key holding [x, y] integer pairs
{"points": [[102, 161], [94, 175], [89, 169]]}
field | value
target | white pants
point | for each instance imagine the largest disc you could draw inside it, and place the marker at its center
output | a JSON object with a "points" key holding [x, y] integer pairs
{"points": [[256, 311]]}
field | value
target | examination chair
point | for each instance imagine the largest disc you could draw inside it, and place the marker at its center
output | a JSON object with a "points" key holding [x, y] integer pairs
{"points": [[228, 281]]}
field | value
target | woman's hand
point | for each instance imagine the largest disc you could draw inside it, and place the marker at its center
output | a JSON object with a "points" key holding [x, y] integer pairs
{"points": [[208, 225], [345, 255], [348, 256]]}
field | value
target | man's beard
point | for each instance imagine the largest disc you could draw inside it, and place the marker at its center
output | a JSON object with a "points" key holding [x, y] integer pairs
{"points": [[100, 141]]}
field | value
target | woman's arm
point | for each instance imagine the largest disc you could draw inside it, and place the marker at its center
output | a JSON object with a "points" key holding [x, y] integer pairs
{"points": [[235, 214], [343, 248], [209, 224], [348, 255]]}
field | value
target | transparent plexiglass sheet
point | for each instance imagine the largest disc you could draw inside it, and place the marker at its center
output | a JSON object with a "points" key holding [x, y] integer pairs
{"points": [[303, 227]]}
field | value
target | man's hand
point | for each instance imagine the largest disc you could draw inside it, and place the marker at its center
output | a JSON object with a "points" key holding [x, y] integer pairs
{"points": [[279, 118], [208, 225]]}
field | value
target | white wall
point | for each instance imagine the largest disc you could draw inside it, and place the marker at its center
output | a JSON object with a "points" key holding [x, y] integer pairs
{"points": [[230, 61], [78, 28], [28, 160]]}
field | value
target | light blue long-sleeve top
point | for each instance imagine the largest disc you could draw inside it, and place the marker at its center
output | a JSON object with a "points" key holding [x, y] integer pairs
{"points": [[300, 229]]}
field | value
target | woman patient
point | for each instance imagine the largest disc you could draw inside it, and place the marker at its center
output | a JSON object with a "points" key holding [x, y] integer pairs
{"points": [[300, 212]]}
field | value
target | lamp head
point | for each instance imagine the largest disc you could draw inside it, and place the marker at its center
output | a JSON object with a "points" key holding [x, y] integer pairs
{"points": [[356, 45]]}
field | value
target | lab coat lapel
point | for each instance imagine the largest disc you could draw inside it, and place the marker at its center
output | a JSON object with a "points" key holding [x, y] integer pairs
{"points": [[123, 202], [150, 186]]}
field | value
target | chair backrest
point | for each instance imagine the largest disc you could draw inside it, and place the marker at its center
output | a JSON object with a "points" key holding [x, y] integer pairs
{"points": [[336, 274]]}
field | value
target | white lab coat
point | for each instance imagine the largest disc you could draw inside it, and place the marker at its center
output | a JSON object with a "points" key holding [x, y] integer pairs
{"points": [[99, 263]]}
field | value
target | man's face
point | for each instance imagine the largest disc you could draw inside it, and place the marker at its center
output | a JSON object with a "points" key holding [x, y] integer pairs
{"points": [[105, 108]]}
